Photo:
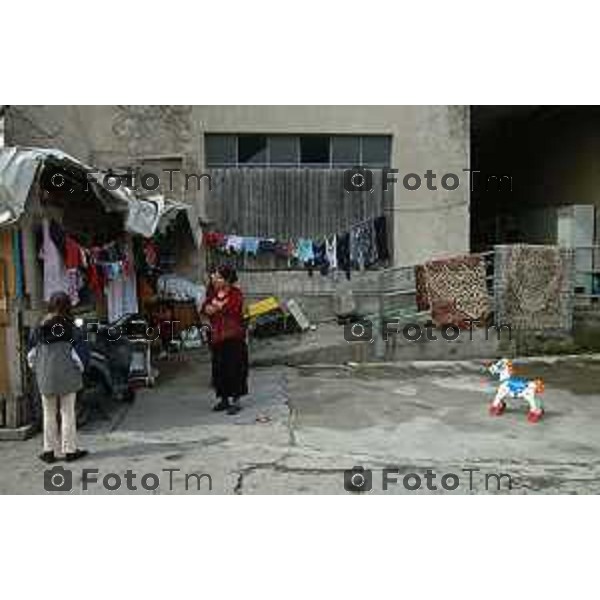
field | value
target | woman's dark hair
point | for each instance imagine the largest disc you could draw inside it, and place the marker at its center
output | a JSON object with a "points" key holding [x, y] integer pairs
{"points": [[228, 273], [60, 304]]}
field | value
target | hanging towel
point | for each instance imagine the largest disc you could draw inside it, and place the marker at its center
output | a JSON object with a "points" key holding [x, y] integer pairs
{"points": [[250, 245]]}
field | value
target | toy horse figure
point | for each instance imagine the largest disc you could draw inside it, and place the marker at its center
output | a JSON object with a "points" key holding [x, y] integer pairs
{"points": [[516, 387]]}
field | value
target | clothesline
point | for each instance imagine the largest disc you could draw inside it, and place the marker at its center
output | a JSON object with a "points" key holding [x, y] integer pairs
{"points": [[360, 246]]}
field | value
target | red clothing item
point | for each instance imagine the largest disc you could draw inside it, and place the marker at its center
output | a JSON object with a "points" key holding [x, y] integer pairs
{"points": [[95, 280], [213, 239], [73, 258], [228, 322], [150, 253]]}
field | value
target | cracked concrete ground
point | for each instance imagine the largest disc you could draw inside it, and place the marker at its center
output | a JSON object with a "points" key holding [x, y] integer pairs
{"points": [[301, 428]]}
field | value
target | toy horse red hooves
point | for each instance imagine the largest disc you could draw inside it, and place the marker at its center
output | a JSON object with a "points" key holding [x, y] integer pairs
{"points": [[515, 387]]}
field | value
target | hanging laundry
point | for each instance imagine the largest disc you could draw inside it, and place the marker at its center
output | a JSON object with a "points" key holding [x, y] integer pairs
{"points": [[121, 292], [73, 285], [320, 257], [363, 251], [58, 236], [343, 252], [381, 238], [331, 251], [150, 253], [72, 256], [284, 249], [213, 239], [54, 269], [267, 245], [95, 280], [304, 250], [250, 245], [111, 253], [233, 244]]}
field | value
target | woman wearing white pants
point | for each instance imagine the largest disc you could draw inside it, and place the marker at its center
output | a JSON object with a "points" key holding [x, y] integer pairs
{"points": [[57, 357]]}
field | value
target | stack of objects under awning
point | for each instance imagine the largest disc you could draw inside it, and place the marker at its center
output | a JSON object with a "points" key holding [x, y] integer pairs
{"points": [[454, 290], [270, 317]]}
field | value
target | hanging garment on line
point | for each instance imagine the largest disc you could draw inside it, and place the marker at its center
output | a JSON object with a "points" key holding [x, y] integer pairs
{"points": [[267, 245], [331, 252], [58, 237], [381, 238], [320, 257], [150, 253], [233, 243], [95, 280], [54, 269], [73, 285], [213, 239], [343, 253], [111, 270], [363, 251], [121, 294], [250, 245], [283, 249], [304, 250], [73, 253]]}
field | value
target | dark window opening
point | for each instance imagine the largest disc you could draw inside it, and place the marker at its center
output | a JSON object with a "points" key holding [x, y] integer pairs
{"points": [[252, 149], [289, 151], [283, 150], [376, 150], [345, 150], [220, 150], [314, 149]]}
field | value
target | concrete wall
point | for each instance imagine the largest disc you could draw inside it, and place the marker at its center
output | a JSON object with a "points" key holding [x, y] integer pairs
{"points": [[426, 223]]}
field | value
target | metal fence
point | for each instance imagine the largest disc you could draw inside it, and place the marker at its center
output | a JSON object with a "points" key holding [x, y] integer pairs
{"points": [[587, 276]]}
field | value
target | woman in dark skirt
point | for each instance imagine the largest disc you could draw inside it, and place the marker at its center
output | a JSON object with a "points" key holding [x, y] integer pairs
{"points": [[224, 308]]}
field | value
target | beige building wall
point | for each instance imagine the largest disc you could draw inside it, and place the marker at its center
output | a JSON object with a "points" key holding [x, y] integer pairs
{"points": [[426, 224]]}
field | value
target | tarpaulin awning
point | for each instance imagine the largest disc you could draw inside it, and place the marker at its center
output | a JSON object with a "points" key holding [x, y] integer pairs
{"points": [[19, 168]]}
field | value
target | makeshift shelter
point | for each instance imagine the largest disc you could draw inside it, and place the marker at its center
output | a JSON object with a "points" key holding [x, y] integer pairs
{"points": [[66, 226]]}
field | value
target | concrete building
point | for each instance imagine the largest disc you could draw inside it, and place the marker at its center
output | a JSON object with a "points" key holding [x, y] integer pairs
{"points": [[551, 154], [424, 223]]}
